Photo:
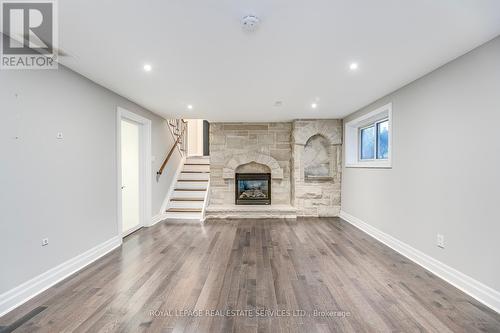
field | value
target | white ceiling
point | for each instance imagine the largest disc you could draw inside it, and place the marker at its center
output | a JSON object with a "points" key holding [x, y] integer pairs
{"points": [[299, 54]]}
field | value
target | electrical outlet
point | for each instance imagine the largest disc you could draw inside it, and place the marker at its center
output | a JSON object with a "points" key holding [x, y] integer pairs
{"points": [[45, 242], [440, 241]]}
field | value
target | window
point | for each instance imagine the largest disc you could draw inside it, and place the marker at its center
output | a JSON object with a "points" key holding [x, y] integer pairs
{"points": [[374, 141], [367, 146], [383, 140], [368, 139]]}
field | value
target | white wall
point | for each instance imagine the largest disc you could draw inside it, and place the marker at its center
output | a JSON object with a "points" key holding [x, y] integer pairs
{"points": [[61, 189], [446, 167], [195, 137]]}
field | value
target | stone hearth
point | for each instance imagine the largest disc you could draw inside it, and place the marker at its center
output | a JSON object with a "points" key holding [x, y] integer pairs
{"points": [[246, 211]]}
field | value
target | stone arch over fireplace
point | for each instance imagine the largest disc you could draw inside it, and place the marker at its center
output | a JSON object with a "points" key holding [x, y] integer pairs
{"points": [[229, 169], [252, 167]]}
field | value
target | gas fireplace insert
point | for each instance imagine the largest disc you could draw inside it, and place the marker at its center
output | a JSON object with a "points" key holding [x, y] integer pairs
{"points": [[253, 189]]}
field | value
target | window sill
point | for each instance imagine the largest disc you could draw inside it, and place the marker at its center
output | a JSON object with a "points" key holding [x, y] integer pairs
{"points": [[370, 165]]}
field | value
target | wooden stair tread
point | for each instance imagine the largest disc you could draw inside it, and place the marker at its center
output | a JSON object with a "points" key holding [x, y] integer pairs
{"points": [[184, 210], [195, 171], [190, 189], [192, 180], [187, 199]]}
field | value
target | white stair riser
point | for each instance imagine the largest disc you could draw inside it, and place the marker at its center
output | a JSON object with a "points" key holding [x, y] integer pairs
{"points": [[189, 194], [191, 185], [170, 215], [185, 204], [196, 168], [198, 161], [196, 176]]}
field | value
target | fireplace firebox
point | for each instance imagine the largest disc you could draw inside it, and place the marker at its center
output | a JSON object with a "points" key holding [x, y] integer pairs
{"points": [[253, 189]]}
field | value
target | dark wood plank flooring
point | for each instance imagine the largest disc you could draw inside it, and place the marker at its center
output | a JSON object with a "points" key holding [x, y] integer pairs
{"points": [[309, 275]]}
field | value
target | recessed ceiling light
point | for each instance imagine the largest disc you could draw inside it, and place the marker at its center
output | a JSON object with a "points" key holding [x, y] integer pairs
{"points": [[148, 68], [353, 66], [190, 107], [314, 105]]}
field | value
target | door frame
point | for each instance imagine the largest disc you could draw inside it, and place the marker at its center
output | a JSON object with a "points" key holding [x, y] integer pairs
{"points": [[145, 171]]}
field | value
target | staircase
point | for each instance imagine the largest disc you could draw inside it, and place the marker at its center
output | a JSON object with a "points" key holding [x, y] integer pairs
{"points": [[187, 201]]}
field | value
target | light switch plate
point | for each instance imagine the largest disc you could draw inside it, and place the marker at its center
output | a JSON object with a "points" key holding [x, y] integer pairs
{"points": [[440, 241], [59, 135]]}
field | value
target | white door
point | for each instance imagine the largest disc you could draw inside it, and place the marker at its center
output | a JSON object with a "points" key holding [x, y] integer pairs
{"points": [[130, 157]]}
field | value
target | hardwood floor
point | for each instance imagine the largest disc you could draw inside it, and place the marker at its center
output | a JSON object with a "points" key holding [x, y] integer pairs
{"points": [[310, 275]]}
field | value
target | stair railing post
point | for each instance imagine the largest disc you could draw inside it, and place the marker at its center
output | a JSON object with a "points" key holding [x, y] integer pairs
{"points": [[180, 128]]}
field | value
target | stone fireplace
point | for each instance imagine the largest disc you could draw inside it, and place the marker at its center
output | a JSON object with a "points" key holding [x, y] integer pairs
{"points": [[301, 160], [252, 189]]}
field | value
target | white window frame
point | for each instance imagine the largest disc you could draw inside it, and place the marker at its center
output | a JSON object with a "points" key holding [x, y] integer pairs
{"points": [[352, 131], [375, 146]]}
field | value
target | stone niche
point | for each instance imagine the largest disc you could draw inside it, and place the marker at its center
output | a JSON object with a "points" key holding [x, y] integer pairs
{"points": [[317, 158], [316, 162], [303, 157]]}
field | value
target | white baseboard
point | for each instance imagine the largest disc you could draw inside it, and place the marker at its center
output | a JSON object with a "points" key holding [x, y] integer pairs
{"points": [[22, 293], [484, 294], [158, 218]]}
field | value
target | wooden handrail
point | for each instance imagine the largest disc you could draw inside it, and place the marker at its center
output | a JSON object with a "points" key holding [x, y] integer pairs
{"points": [[164, 164]]}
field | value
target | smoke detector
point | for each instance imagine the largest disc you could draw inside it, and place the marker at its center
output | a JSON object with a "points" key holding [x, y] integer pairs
{"points": [[250, 23]]}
